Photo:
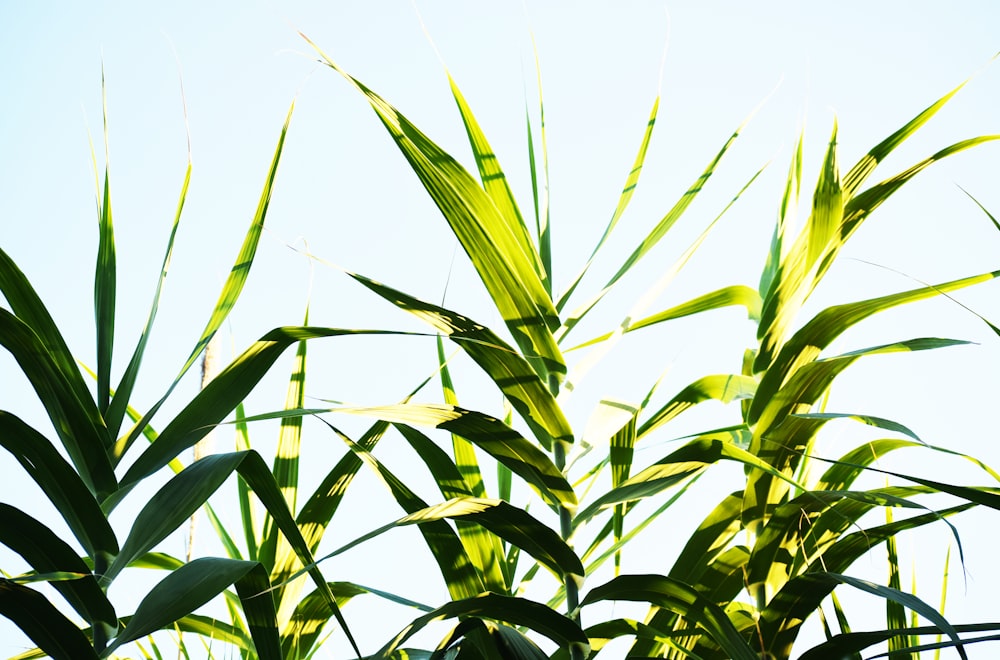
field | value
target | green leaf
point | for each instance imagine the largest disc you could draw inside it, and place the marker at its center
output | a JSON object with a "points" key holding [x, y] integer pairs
{"points": [[483, 548], [737, 295], [719, 387], [119, 402], [803, 266], [681, 464], [286, 458], [460, 575], [489, 434], [511, 372], [183, 494], [76, 420], [517, 611], [218, 399], [104, 293], [864, 167], [61, 485], [510, 523], [809, 341], [231, 290], [676, 596], [28, 307], [47, 553], [623, 201], [783, 617], [495, 183], [194, 584], [543, 224], [778, 439], [658, 232], [496, 253], [43, 624], [843, 645]]}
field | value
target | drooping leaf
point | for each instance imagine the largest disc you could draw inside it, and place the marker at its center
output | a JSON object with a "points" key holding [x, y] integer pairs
{"points": [[194, 584], [61, 485], [76, 420], [43, 623], [781, 620], [678, 597], [45, 552], [517, 611], [512, 374], [491, 435]]}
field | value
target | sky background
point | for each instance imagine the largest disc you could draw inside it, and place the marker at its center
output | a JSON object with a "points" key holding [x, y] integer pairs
{"points": [[344, 191]]}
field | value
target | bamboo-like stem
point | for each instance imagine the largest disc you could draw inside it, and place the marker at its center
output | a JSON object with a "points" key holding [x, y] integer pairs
{"points": [[566, 530], [209, 369]]}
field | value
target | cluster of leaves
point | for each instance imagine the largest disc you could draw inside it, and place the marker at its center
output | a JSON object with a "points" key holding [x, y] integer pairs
{"points": [[759, 565]]}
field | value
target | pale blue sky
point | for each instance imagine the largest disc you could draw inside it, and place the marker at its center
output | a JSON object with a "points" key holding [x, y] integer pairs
{"points": [[345, 190]]}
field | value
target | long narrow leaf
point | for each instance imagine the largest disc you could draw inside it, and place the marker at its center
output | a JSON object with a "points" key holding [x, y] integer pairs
{"points": [[119, 403], [506, 271], [230, 290], [511, 373], [43, 623]]}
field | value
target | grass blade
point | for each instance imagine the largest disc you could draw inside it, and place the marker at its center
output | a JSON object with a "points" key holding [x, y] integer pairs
{"points": [[518, 611], [193, 585], [76, 421]]}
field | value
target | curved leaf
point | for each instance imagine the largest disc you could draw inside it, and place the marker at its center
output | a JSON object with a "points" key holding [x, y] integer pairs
{"points": [[781, 619], [45, 552], [807, 343], [517, 611], [76, 420], [43, 624], [183, 494], [61, 484], [194, 584], [676, 596], [623, 201], [489, 434], [511, 372], [218, 399]]}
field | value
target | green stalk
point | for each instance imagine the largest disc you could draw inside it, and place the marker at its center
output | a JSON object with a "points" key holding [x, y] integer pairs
{"points": [[566, 530], [100, 638]]}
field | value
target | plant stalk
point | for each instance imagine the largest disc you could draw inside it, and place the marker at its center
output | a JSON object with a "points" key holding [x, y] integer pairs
{"points": [[566, 530]]}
